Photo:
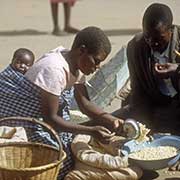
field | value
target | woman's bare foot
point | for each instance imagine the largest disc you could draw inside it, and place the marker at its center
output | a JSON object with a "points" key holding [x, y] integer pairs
{"points": [[71, 29]]}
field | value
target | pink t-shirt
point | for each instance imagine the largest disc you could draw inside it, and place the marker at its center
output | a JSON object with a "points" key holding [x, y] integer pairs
{"points": [[51, 72]]}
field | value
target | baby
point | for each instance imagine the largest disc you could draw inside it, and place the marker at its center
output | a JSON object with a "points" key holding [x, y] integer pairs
{"points": [[22, 60]]}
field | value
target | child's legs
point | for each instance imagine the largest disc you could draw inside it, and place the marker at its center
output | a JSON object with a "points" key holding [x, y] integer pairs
{"points": [[67, 18], [67, 15], [54, 11]]}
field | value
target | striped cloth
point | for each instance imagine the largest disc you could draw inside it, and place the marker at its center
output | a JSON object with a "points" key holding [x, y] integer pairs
{"points": [[20, 97]]}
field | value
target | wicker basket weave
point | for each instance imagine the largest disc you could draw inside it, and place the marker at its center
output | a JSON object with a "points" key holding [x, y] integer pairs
{"points": [[30, 161]]}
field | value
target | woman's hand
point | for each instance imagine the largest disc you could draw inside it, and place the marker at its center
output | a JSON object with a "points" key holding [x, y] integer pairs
{"points": [[116, 125], [102, 134], [165, 71]]}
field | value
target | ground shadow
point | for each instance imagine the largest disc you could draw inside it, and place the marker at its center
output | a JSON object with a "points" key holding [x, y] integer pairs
{"points": [[30, 32], [33, 32], [121, 32], [173, 178], [149, 175]]}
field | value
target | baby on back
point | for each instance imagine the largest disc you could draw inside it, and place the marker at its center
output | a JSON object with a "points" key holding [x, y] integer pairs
{"points": [[22, 60]]}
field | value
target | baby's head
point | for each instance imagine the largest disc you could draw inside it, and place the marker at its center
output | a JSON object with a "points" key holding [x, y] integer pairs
{"points": [[22, 60], [91, 47]]}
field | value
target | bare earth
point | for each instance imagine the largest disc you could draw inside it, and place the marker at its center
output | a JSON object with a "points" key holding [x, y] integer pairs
{"points": [[28, 24]]}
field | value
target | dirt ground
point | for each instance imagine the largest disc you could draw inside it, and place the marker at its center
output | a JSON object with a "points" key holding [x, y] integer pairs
{"points": [[29, 24]]}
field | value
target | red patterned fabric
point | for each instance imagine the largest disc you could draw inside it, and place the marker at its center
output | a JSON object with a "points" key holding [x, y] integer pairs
{"points": [[71, 2]]}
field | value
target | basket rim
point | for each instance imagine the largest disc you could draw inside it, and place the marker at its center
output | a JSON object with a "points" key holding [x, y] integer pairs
{"points": [[42, 123], [28, 144], [38, 168]]}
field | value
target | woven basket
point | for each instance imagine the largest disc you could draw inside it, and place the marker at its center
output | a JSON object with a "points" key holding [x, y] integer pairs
{"points": [[30, 161]]}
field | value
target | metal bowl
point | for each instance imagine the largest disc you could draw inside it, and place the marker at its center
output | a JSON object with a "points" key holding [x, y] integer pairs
{"points": [[132, 146], [131, 128]]}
